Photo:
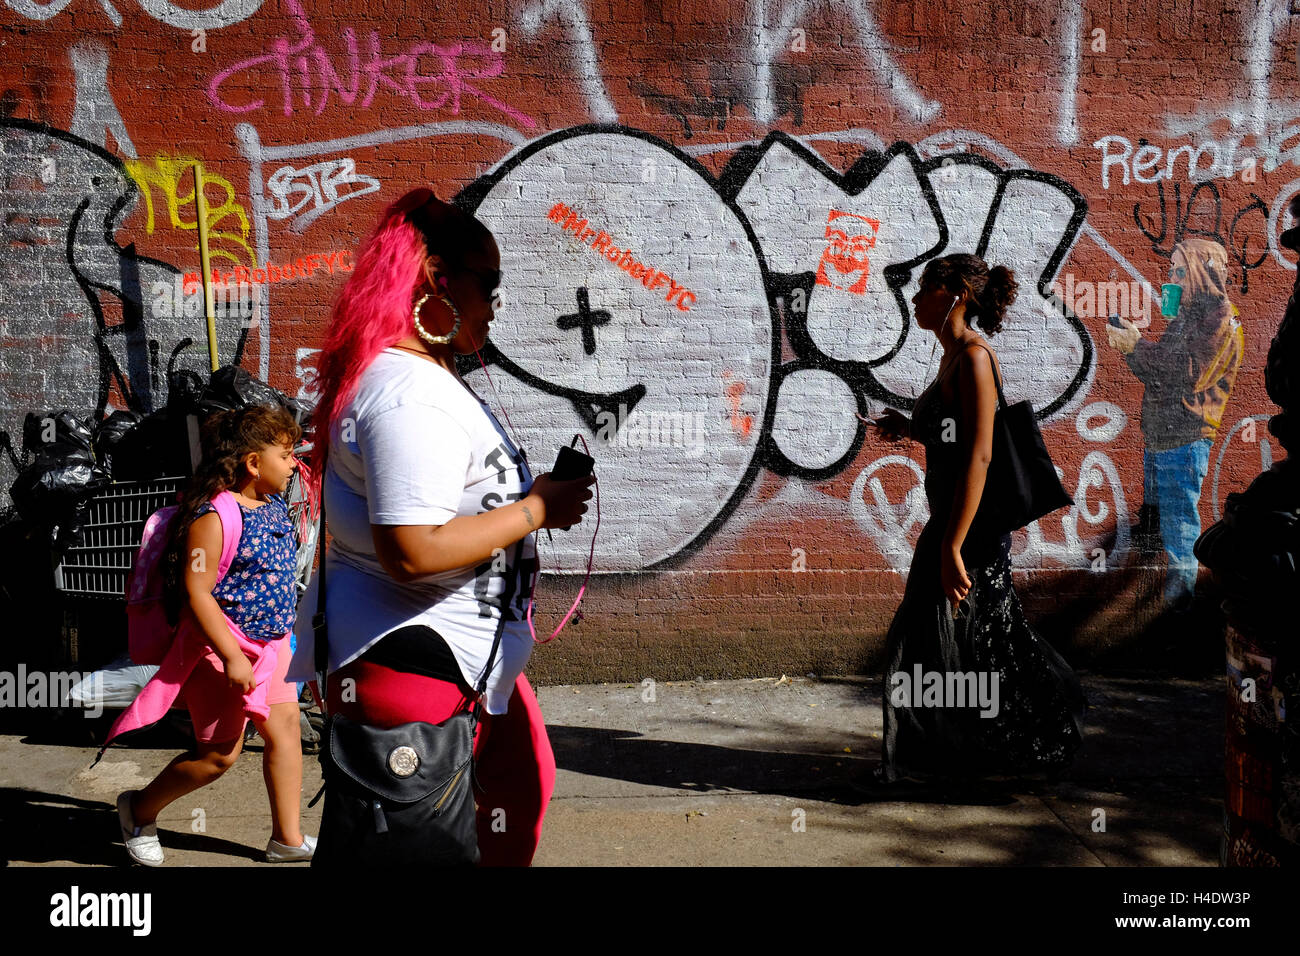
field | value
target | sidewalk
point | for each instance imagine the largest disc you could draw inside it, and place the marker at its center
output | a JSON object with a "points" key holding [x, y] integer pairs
{"points": [[714, 773]]}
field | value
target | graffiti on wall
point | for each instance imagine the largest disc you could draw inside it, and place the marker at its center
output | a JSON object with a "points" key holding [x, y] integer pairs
{"points": [[582, 339], [649, 357], [224, 14], [601, 351], [1203, 216], [713, 326], [173, 181], [305, 69], [866, 336], [322, 185], [726, 93], [78, 323]]}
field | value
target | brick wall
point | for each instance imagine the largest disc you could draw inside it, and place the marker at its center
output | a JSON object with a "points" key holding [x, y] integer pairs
{"points": [[750, 523]]}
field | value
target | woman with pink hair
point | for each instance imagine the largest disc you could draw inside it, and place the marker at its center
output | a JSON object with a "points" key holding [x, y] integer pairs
{"points": [[432, 510]]}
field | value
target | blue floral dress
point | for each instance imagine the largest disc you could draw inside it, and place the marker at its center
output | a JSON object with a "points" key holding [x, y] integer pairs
{"points": [[259, 591]]}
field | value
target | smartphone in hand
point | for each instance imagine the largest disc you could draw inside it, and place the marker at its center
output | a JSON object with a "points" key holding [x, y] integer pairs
{"points": [[571, 463]]}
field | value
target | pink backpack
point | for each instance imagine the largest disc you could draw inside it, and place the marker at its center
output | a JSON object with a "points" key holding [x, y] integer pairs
{"points": [[149, 635]]}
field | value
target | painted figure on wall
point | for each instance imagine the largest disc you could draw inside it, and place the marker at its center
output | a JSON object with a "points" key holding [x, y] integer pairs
{"points": [[1188, 375]]}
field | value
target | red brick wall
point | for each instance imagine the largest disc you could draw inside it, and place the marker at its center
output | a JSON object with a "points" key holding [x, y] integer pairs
{"points": [[764, 529]]}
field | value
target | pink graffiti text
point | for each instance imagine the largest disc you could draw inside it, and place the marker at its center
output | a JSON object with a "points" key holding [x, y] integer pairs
{"points": [[308, 75]]}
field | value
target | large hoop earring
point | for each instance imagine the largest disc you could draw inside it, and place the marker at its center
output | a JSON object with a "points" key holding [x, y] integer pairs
{"points": [[429, 336]]}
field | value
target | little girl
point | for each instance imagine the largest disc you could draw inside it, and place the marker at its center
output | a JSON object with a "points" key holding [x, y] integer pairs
{"points": [[249, 452]]}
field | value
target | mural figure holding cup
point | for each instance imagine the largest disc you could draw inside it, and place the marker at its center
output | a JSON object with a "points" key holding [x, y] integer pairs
{"points": [[1188, 375]]}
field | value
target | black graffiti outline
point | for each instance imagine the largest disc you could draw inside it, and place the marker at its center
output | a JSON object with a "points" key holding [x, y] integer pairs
{"points": [[1183, 215], [1246, 267], [726, 93], [859, 375], [139, 382], [590, 406], [586, 319], [469, 199]]}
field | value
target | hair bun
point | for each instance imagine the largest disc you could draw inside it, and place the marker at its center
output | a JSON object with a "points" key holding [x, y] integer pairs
{"points": [[995, 298]]}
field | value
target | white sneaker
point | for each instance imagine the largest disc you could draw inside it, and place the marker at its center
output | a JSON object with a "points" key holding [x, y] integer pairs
{"points": [[141, 842], [279, 853]]}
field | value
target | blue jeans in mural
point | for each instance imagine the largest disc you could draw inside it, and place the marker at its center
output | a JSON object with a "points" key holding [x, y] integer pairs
{"points": [[1171, 479]]}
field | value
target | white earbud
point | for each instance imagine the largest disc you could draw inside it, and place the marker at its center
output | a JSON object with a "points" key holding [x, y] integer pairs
{"points": [[955, 300]]}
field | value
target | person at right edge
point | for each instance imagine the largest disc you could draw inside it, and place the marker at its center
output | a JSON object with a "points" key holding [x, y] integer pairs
{"points": [[1187, 376], [960, 616]]}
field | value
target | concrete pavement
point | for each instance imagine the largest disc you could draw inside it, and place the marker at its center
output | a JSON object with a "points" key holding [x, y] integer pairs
{"points": [[741, 772]]}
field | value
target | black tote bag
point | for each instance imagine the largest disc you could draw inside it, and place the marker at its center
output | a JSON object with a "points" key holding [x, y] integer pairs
{"points": [[1022, 484]]}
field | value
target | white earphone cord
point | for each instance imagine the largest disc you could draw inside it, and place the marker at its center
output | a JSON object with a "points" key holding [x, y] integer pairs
{"points": [[926, 377]]}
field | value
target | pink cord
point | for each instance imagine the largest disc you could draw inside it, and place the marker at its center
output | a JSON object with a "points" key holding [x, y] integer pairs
{"points": [[590, 554], [313, 505]]}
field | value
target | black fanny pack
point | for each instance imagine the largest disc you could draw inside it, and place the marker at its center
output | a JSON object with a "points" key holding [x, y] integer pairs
{"points": [[401, 796]]}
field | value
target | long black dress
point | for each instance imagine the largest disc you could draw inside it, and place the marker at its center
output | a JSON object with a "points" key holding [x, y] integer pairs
{"points": [[1039, 720]]}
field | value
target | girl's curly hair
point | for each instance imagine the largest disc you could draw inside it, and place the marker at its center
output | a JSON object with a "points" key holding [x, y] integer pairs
{"points": [[991, 290], [226, 438]]}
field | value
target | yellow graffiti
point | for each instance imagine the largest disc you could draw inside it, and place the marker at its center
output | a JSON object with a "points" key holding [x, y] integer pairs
{"points": [[174, 179]]}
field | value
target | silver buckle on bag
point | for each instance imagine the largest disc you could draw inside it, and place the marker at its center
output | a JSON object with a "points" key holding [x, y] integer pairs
{"points": [[403, 761]]}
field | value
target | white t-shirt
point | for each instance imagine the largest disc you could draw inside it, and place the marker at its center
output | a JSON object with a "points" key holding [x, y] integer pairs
{"points": [[416, 447]]}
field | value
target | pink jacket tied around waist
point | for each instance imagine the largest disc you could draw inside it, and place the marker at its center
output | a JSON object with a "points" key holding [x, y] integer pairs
{"points": [[189, 647]]}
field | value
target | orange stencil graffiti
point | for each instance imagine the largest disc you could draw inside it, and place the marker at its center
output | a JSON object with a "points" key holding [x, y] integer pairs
{"points": [[741, 423], [847, 251]]}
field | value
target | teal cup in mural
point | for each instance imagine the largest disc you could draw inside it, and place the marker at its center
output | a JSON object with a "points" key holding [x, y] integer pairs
{"points": [[1171, 296]]}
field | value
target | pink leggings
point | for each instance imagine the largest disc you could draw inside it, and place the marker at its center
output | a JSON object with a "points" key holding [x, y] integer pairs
{"points": [[513, 759]]}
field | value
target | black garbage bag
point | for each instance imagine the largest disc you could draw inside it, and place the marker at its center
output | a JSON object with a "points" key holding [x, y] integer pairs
{"points": [[55, 433], [109, 433], [233, 387], [158, 446], [54, 490]]}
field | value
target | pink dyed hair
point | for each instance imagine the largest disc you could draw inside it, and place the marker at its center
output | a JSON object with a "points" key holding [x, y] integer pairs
{"points": [[373, 309]]}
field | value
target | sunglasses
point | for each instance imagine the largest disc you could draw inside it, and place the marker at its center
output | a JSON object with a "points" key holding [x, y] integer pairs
{"points": [[489, 280]]}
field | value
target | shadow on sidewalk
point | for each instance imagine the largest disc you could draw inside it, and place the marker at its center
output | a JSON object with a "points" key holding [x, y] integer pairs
{"points": [[44, 827], [707, 768]]}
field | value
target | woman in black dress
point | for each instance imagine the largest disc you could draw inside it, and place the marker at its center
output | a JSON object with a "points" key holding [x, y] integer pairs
{"points": [[970, 688]]}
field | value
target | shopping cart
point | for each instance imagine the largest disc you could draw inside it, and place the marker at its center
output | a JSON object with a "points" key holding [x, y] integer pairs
{"points": [[98, 565]]}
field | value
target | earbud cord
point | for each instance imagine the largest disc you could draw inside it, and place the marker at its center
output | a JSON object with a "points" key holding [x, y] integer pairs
{"points": [[591, 554], [955, 299]]}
